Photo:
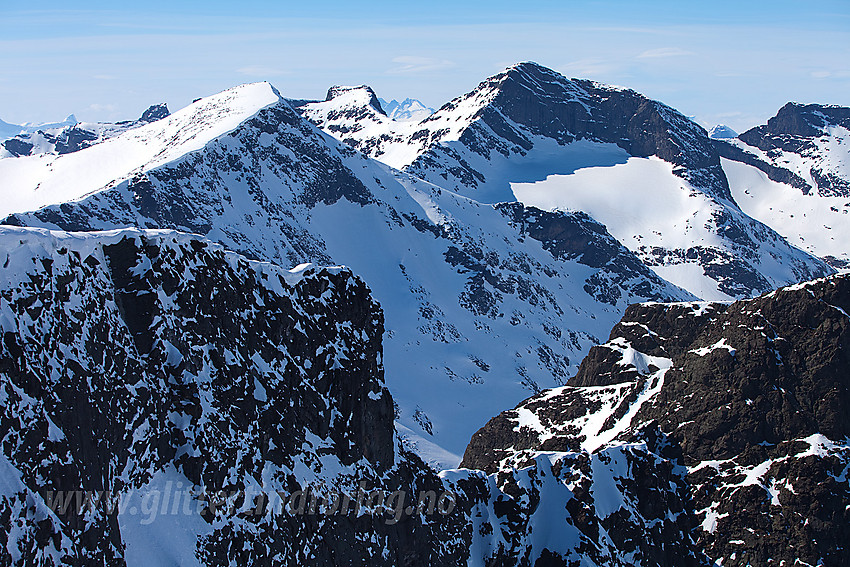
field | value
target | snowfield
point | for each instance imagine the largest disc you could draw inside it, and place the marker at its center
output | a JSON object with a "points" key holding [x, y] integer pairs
{"points": [[820, 225]]}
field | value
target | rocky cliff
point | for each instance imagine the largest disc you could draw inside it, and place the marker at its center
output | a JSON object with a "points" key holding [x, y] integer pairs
{"points": [[748, 399]]}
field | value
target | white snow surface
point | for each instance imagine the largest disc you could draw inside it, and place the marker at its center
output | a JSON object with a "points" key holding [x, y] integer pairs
{"points": [[160, 524], [32, 182], [818, 224], [645, 206]]}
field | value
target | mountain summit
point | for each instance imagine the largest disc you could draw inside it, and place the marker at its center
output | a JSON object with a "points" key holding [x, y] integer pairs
{"points": [[649, 174]]}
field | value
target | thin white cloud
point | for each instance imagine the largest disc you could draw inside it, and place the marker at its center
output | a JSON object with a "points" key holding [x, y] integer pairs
{"points": [[411, 65], [664, 52], [97, 107], [824, 74], [260, 71], [591, 68]]}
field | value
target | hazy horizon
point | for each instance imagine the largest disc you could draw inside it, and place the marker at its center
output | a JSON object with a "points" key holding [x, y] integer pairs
{"points": [[728, 63]]}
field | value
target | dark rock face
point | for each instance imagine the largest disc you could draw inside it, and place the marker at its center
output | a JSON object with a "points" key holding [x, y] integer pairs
{"points": [[622, 505], [796, 120], [750, 395], [130, 354], [62, 141], [155, 112], [138, 354], [576, 236], [337, 91], [17, 146]]}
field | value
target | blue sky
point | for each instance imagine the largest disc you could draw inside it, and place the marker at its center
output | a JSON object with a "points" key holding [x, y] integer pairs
{"points": [[731, 62]]}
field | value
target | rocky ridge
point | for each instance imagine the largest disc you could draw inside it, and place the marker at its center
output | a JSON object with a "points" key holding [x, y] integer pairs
{"points": [[747, 399], [191, 366], [793, 174]]}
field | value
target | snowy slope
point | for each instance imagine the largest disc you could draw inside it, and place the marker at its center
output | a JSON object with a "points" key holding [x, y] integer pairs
{"points": [[649, 174], [355, 116], [811, 141], [36, 181], [820, 225], [699, 243], [793, 174], [483, 305]]}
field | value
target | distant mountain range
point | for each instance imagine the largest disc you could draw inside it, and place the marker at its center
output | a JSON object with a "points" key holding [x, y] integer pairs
{"points": [[71, 136], [408, 110], [10, 130]]}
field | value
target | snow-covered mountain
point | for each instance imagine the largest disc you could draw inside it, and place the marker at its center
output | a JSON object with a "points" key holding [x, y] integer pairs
{"points": [[354, 115], [721, 132], [484, 305], [745, 402], [793, 174], [149, 363], [649, 174], [408, 110], [72, 135], [10, 130]]}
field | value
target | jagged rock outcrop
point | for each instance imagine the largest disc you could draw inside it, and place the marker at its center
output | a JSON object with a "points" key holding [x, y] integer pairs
{"points": [[749, 396], [804, 130], [132, 356], [180, 390]]}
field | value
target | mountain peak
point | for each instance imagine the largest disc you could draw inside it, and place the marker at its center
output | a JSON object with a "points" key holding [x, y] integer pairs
{"points": [[155, 112], [528, 67], [41, 183], [797, 119], [408, 110], [722, 132], [359, 95]]}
